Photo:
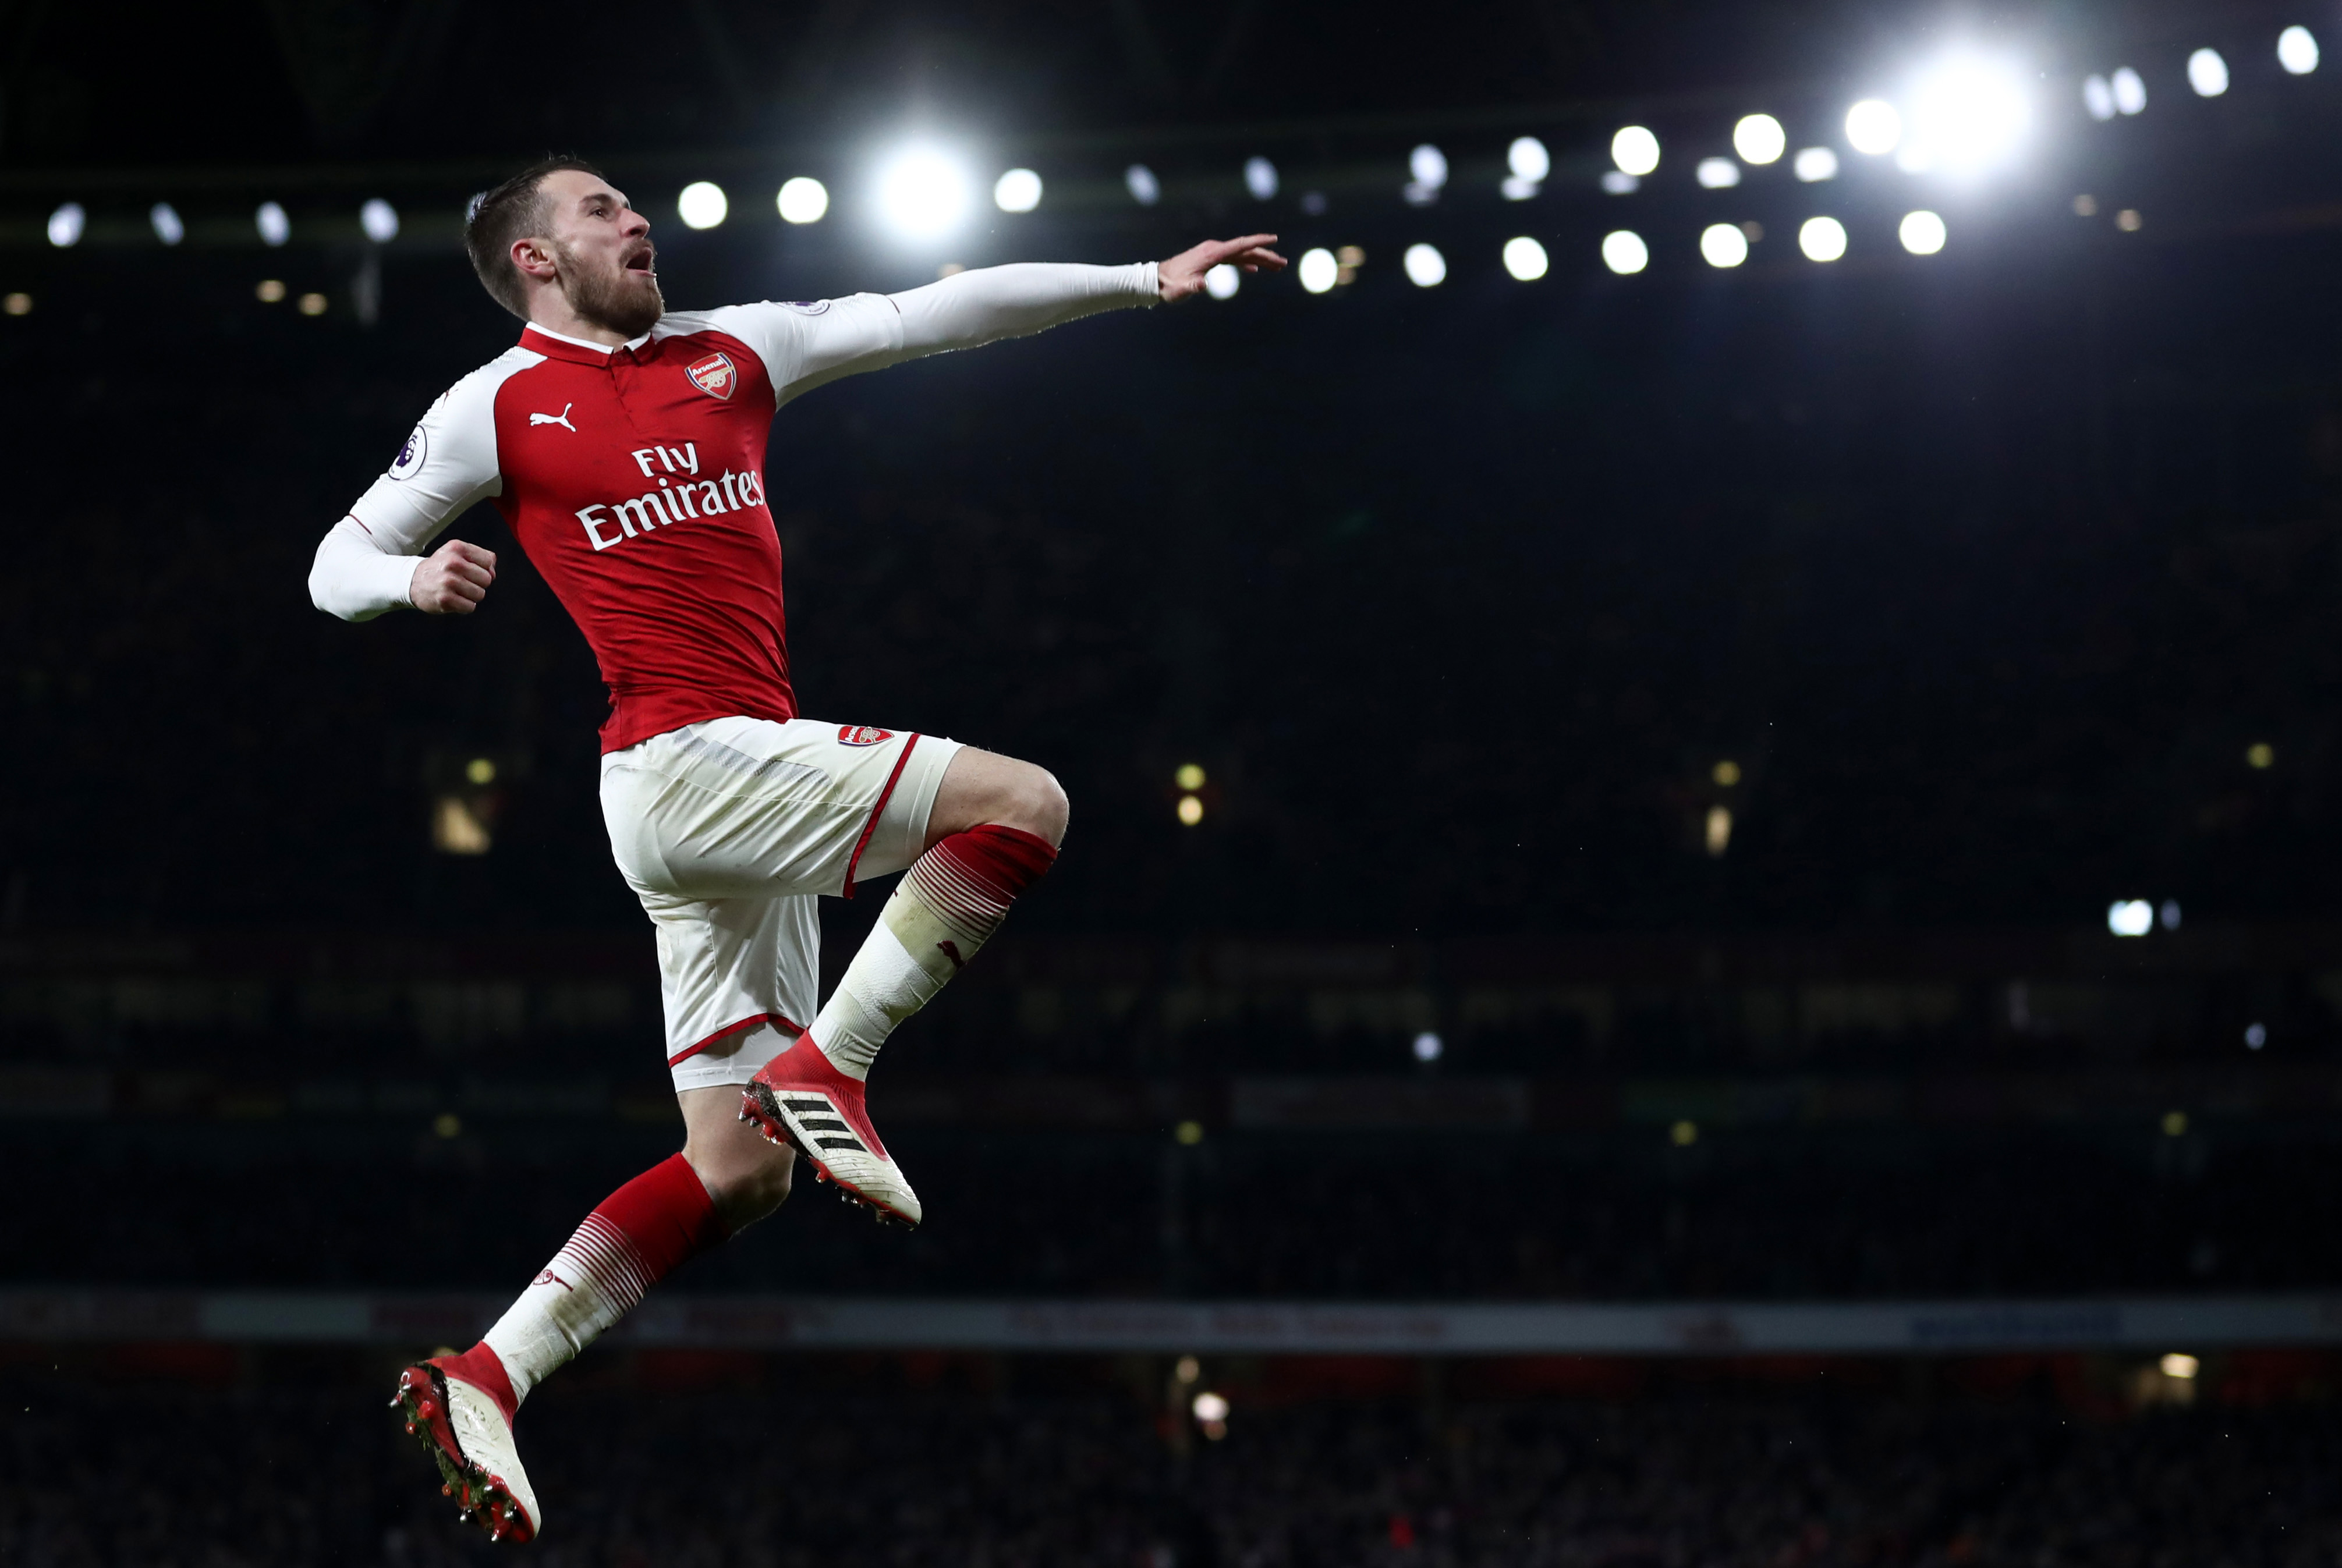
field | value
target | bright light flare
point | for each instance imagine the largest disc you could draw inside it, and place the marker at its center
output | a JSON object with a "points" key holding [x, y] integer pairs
{"points": [[2130, 917], [380, 219], [1429, 1048], [1260, 178], [1528, 160], [1319, 270], [2130, 90], [702, 204], [1759, 139], [1525, 258], [801, 199], [1624, 252], [275, 227], [922, 194], [1822, 239], [1427, 166], [1635, 150], [1873, 126], [2207, 73], [1017, 191], [2296, 51], [168, 227], [1971, 114], [2182, 1367], [2099, 97], [1223, 281], [1814, 165], [1144, 187], [1425, 266], [1723, 244], [65, 225], [1717, 174], [1922, 232]]}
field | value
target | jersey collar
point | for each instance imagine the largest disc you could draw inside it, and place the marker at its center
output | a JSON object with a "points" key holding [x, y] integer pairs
{"points": [[578, 350]]}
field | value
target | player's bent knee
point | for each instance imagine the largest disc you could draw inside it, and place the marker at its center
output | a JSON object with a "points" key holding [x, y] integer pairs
{"points": [[1041, 801], [744, 1183]]}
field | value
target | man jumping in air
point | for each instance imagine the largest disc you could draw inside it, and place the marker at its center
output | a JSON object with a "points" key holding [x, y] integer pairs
{"points": [[624, 447]]}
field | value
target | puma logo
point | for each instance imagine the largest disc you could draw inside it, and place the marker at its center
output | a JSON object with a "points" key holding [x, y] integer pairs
{"points": [[562, 418], [951, 950]]}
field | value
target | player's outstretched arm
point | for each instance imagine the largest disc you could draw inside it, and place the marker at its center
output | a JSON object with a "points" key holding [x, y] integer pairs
{"points": [[988, 303]]}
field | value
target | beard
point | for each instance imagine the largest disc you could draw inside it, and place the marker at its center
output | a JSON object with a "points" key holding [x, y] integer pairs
{"points": [[624, 302]]}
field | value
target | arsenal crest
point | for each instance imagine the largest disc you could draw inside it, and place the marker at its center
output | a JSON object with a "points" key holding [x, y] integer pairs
{"points": [[714, 375], [862, 735]]}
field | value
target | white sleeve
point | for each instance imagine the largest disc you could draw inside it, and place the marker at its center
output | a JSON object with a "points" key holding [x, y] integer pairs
{"points": [[367, 562], [807, 342]]}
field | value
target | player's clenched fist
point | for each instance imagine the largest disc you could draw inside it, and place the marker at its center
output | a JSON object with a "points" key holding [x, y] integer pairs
{"points": [[453, 579]]}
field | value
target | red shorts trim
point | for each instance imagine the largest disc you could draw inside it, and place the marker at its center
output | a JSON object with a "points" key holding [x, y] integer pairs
{"points": [[748, 1022], [872, 825]]}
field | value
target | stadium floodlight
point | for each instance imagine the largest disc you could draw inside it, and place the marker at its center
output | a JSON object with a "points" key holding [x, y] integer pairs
{"points": [[1528, 160], [168, 227], [1525, 258], [1723, 244], [1427, 166], [1260, 178], [1017, 191], [1873, 126], [701, 204], [1635, 150], [65, 225], [1813, 164], [2099, 97], [1425, 266], [2167, 914], [1759, 139], [2179, 1366], [2256, 1036], [1717, 174], [2207, 73], [1970, 112], [1144, 187], [1624, 252], [1429, 1048], [1222, 281], [275, 227], [922, 194], [1619, 183], [2130, 90], [1319, 270], [2130, 917], [1922, 232], [801, 199], [1210, 1408], [1822, 239], [380, 219], [2296, 51], [1516, 189]]}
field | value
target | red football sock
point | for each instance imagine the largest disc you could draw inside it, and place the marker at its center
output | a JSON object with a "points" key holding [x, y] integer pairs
{"points": [[633, 1239]]}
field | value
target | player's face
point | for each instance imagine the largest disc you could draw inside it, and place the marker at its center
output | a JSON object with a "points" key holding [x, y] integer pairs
{"points": [[601, 249]]}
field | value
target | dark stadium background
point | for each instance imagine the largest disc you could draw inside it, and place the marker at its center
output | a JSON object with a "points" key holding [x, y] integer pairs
{"points": [[2005, 578]]}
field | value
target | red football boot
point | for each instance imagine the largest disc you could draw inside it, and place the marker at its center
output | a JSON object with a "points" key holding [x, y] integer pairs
{"points": [[464, 1429], [800, 1100]]}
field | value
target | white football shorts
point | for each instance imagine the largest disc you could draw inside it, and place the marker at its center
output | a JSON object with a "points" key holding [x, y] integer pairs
{"points": [[728, 830]]}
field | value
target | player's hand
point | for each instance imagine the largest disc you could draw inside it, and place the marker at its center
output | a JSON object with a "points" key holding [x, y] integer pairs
{"points": [[1183, 275], [453, 579]]}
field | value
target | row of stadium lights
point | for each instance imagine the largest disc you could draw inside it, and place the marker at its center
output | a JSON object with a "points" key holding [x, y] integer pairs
{"points": [[1966, 114]]}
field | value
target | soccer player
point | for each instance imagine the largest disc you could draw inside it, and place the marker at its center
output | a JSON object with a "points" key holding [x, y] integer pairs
{"points": [[625, 445]]}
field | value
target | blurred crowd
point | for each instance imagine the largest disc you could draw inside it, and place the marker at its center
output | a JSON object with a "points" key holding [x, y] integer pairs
{"points": [[1785, 1214], [783, 1477], [1460, 598]]}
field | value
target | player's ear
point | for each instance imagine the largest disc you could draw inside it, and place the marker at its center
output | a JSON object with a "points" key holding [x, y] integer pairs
{"points": [[534, 258]]}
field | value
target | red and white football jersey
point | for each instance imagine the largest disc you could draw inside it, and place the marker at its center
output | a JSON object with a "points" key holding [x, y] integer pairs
{"points": [[634, 478]]}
